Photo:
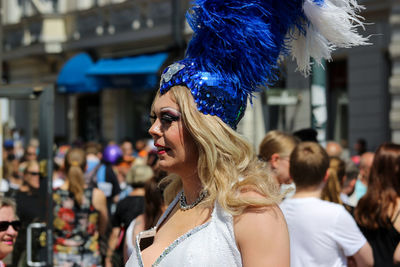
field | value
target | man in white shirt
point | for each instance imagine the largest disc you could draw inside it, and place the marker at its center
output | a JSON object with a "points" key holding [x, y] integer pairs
{"points": [[321, 233]]}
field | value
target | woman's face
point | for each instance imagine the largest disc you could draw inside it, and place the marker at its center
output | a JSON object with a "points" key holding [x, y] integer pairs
{"points": [[32, 176], [280, 166], [8, 236], [176, 148], [283, 170]]}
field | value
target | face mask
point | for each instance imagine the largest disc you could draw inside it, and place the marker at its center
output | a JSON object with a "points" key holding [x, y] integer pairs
{"points": [[360, 189], [91, 164]]}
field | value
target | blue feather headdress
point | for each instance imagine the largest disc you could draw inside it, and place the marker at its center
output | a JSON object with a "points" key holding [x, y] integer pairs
{"points": [[236, 46]]}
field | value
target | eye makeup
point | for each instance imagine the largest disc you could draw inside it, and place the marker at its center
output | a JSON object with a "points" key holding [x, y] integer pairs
{"points": [[166, 115]]}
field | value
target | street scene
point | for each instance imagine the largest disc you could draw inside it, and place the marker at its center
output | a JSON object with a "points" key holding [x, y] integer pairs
{"points": [[199, 133]]}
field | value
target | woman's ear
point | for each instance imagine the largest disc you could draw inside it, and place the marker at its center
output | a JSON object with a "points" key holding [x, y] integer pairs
{"points": [[273, 161], [326, 177]]}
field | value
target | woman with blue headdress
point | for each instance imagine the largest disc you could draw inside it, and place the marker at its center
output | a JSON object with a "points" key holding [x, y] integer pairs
{"points": [[223, 203]]}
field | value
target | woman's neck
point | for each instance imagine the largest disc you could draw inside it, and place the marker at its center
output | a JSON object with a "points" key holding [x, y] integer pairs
{"points": [[138, 192], [313, 191], [65, 185], [25, 188], [191, 187]]}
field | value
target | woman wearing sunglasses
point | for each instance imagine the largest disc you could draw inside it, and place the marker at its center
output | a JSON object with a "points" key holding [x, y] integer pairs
{"points": [[9, 226], [30, 203]]}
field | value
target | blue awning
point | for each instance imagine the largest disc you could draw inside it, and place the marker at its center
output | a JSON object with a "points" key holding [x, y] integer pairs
{"points": [[144, 64], [81, 75], [138, 73], [72, 77]]}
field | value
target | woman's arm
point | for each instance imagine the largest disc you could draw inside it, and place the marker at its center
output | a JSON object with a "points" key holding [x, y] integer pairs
{"points": [[100, 204], [262, 237], [396, 255], [364, 257]]}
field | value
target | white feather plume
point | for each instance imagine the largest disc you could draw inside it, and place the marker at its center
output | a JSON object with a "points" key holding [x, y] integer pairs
{"points": [[331, 24]]}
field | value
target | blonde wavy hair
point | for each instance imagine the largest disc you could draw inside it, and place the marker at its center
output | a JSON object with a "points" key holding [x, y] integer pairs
{"points": [[227, 164]]}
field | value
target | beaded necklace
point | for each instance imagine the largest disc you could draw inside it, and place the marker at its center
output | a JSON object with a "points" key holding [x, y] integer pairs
{"points": [[182, 200]]}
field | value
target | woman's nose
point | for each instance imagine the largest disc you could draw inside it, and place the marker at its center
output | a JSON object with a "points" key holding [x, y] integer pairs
{"points": [[11, 231], [154, 130]]}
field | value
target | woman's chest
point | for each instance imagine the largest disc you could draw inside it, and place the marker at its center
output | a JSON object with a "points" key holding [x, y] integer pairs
{"points": [[205, 245]]}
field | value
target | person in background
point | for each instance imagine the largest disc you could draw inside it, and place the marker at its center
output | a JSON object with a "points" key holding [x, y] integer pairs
{"points": [[80, 216], [334, 149], [8, 159], [348, 185], [59, 168], [10, 175], [104, 175], [360, 147], [306, 134], [360, 188], [30, 153], [93, 155], [30, 209], [336, 171], [377, 212], [275, 149], [127, 210], [123, 167], [141, 148], [127, 153], [321, 233], [9, 227]]}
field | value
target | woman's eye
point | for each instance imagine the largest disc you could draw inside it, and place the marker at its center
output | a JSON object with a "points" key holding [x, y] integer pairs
{"points": [[168, 118]]}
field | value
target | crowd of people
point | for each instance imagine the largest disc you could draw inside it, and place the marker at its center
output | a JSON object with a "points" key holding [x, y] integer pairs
{"points": [[104, 198], [97, 193], [336, 219]]}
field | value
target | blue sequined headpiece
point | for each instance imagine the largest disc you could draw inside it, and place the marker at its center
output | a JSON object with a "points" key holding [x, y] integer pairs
{"points": [[236, 45], [212, 94]]}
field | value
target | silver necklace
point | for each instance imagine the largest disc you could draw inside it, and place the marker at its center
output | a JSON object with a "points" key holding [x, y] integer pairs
{"points": [[185, 206]]}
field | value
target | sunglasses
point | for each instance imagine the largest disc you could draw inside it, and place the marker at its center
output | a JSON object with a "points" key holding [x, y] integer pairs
{"points": [[4, 225], [34, 173]]}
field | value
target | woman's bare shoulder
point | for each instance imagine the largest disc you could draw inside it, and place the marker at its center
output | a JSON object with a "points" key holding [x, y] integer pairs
{"points": [[261, 234], [98, 194], [270, 214]]}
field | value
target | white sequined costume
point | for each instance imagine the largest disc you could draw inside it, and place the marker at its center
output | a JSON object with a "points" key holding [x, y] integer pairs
{"points": [[211, 244]]}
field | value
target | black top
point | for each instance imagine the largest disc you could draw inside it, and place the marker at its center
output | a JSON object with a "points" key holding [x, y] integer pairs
{"points": [[127, 210], [31, 207], [383, 242]]}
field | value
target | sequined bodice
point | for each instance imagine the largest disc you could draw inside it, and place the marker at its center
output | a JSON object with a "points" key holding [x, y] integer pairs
{"points": [[211, 244]]}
